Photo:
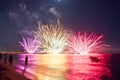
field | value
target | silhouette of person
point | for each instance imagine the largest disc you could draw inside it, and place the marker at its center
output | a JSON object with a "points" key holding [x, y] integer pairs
{"points": [[5, 58], [0, 56], [11, 59], [26, 60]]}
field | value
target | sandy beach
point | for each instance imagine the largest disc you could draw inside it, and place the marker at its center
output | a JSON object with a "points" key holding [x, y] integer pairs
{"points": [[8, 72]]}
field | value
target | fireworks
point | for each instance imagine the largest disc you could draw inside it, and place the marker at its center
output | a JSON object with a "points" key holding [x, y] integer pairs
{"points": [[53, 37], [84, 43], [30, 45]]}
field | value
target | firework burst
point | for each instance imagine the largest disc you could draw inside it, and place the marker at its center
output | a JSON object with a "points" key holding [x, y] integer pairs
{"points": [[30, 45], [53, 37], [84, 43]]}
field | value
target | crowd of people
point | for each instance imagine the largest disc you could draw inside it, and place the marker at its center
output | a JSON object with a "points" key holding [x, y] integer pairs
{"points": [[9, 58]]}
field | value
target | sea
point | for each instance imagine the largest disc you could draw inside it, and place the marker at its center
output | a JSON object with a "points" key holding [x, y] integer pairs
{"points": [[68, 66]]}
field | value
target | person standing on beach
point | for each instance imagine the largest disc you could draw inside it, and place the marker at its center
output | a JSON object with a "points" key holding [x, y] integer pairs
{"points": [[11, 59], [26, 61], [5, 58]]}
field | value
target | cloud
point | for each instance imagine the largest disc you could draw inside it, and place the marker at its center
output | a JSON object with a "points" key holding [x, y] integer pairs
{"points": [[15, 17], [26, 18], [23, 7], [27, 32], [54, 11]]}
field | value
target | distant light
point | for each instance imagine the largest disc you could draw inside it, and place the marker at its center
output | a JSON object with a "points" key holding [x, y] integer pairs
{"points": [[58, 0]]}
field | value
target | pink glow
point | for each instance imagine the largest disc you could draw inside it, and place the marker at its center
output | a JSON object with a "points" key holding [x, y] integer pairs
{"points": [[65, 66], [30, 45], [84, 43], [81, 67]]}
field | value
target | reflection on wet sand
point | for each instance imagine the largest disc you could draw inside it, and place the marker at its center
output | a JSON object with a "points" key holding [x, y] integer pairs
{"points": [[64, 67]]}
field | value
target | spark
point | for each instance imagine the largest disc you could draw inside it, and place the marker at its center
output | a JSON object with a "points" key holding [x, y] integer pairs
{"points": [[53, 37], [84, 43], [30, 45]]}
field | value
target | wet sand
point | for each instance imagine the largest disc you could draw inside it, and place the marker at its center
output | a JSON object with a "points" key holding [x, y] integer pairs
{"points": [[8, 72]]}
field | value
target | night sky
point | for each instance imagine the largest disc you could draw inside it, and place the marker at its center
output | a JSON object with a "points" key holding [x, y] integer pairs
{"points": [[19, 18]]}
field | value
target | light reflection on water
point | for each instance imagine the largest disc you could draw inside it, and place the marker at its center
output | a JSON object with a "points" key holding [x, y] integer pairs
{"points": [[83, 68], [65, 67]]}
